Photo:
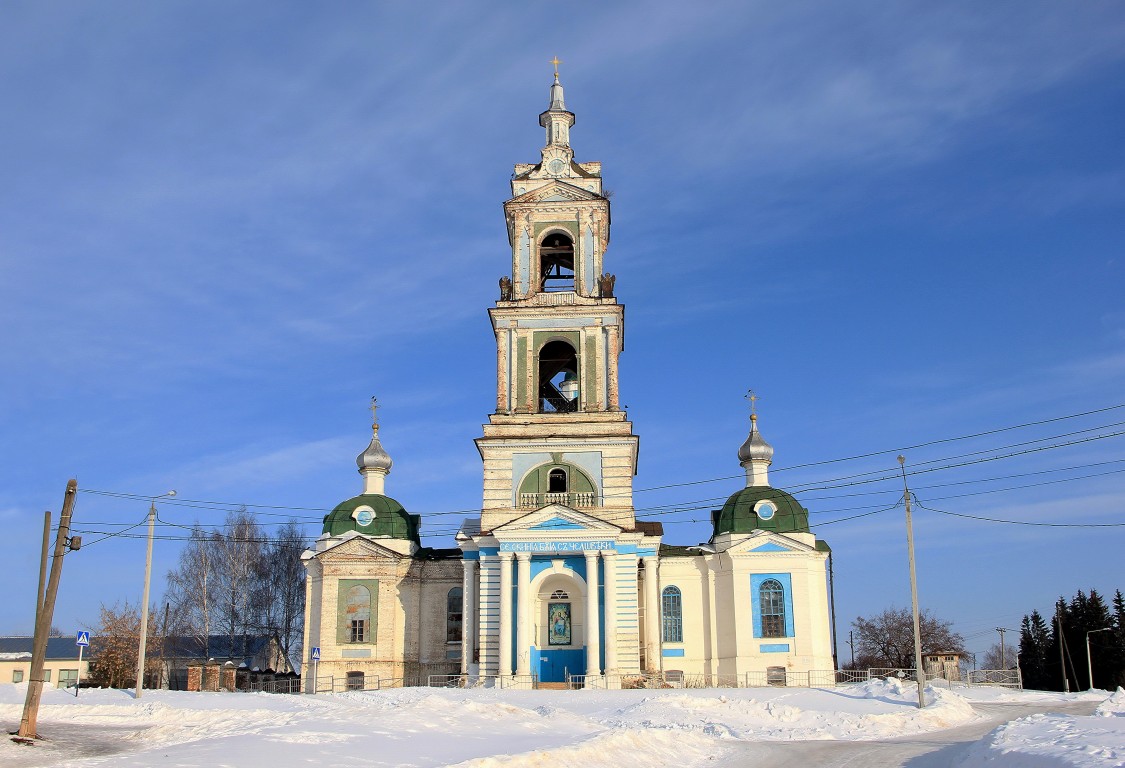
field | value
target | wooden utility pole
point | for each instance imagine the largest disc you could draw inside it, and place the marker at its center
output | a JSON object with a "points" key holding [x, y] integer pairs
{"points": [[45, 609]]}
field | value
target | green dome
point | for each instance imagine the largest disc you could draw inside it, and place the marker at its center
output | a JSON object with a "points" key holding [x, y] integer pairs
{"points": [[383, 517], [738, 515]]}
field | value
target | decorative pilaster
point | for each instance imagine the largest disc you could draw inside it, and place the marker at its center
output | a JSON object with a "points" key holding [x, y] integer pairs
{"points": [[614, 341], [523, 614], [468, 612], [593, 630], [502, 370], [610, 560], [504, 663], [653, 659]]}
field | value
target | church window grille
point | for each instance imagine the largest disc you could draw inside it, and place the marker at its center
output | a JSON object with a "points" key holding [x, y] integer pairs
{"points": [[673, 615], [453, 615], [771, 603], [559, 594], [355, 681]]}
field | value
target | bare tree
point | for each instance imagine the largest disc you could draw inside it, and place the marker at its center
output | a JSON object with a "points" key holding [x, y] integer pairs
{"points": [[114, 648], [281, 592], [238, 551], [191, 587], [887, 640], [993, 660]]}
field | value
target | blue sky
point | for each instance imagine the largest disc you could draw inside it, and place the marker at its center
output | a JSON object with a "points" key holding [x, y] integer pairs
{"points": [[222, 229]]}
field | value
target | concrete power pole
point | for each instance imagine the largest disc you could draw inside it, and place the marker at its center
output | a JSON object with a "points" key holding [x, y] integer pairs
{"points": [[919, 673], [1003, 657], [45, 610]]}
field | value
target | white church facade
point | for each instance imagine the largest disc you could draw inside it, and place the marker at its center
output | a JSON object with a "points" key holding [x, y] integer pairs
{"points": [[557, 579]]}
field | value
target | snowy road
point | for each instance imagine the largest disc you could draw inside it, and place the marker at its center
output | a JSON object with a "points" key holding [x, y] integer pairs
{"points": [[940, 749]]}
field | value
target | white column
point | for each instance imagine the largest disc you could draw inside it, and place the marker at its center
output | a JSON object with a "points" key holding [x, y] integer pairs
{"points": [[523, 614], [504, 663], [610, 560], [593, 633], [652, 614], [468, 613]]}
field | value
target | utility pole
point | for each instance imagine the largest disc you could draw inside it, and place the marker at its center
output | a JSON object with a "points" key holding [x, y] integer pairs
{"points": [[143, 630], [1003, 657], [1062, 659], [45, 609], [851, 645], [919, 673], [1089, 660]]}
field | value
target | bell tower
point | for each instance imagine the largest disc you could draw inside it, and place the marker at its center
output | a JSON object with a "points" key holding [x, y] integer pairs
{"points": [[558, 435]]}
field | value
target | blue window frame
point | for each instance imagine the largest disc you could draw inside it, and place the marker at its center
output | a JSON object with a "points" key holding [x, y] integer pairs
{"points": [[672, 612]]}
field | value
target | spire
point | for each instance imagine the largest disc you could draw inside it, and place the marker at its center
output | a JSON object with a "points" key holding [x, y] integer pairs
{"points": [[374, 463], [756, 454], [557, 120]]}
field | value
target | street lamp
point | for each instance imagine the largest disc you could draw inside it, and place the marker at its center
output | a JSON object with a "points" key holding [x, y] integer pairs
{"points": [[1089, 662], [143, 632]]}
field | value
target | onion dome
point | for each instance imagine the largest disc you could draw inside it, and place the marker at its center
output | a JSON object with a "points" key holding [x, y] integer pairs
{"points": [[755, 448], [374, 456]]}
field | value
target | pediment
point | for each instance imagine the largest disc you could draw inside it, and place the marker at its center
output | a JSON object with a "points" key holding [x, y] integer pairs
{"points": [[767, 543], [555, 191], [556, 519], [355, 545]]}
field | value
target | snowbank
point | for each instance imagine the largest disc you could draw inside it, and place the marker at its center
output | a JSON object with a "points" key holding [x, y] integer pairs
{"points": [[475, 728], [1056, 741]]}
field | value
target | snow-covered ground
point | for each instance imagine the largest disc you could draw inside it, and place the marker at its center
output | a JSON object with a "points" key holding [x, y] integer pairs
{"points": [[488, 727]]}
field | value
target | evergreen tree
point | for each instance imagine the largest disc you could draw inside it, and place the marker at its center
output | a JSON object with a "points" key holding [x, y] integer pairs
{"points": [[1035, 641]]}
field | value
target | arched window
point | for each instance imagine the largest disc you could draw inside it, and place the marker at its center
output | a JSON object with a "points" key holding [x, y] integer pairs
{"points": [[556, 263], [453, 616], [673, 615], [556, 481], [771, 604], [558, 378]]}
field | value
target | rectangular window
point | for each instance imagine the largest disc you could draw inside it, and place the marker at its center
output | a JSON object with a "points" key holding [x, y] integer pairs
{"points": [[17, 675], [355, 681], [46, 675], [67, 677], [357, 631]]}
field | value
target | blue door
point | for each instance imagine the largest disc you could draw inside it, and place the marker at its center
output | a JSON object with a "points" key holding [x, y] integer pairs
{"points": [[554, 664]]}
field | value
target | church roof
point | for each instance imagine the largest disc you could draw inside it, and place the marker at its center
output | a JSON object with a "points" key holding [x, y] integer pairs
{"points": [[747, 511], [372, 514]]}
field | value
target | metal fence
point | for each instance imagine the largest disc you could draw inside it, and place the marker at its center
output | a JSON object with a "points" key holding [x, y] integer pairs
{"points": [[773, 677]]}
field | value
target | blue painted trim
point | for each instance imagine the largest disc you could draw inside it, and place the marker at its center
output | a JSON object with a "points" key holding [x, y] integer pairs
{"points": [[557, 524], [645, 552], [470, 555], [674, 652], [774, 647], [771, 547], [489, 551], [786, 580], [627, 549]]}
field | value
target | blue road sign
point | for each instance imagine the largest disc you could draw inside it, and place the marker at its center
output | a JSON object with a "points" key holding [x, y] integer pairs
{"points": [[83, 639], [316, 653]]}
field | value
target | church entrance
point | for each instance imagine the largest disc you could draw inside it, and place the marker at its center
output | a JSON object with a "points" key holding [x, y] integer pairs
{"points": [[559, 635]]}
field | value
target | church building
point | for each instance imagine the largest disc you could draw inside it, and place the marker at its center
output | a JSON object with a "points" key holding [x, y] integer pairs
{"points": [[556, 579]]}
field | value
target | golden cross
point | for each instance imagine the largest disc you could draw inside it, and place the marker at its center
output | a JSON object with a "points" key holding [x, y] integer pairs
{"points": [[556, 62], [374, 407], [753, 401]]}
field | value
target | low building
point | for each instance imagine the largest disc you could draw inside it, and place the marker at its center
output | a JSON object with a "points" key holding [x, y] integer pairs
{"points": [[60, 669], [943, 664]]}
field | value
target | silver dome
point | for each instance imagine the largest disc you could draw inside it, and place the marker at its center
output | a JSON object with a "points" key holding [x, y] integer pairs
{"points": [[755, 448], [375, 457]]}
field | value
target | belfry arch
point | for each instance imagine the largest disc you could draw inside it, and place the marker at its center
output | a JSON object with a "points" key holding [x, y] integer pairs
{"points": [[557, 382], [556, 262]]}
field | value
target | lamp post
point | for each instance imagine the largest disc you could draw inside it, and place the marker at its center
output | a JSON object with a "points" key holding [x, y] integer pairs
{"points": [[1089, 661], [143, 631]]}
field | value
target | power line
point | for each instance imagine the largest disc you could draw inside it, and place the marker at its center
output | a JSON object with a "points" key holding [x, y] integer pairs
{"points": [[1021, 522]]}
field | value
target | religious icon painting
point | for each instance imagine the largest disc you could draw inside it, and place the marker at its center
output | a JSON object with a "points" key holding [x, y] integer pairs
{"points": [[558, 623]]}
